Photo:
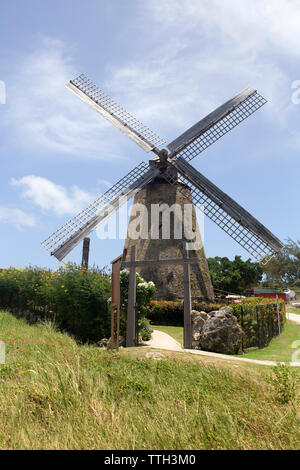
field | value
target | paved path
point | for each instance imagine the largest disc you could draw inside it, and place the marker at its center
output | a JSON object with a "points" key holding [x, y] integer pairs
{"points": [[293, 317], [162, 340]]}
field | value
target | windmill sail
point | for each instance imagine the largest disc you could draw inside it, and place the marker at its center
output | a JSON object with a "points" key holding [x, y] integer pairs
{"points": [[113, 112], [228, 214], [207, 131], [61, 242]]}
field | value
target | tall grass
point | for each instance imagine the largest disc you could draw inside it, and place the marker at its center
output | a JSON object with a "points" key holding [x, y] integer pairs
{"points": [[55, 394]]}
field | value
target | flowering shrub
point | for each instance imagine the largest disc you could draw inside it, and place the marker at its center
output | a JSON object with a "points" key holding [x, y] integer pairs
{"points": [[75, 298], [145, 291], [257, 317]]}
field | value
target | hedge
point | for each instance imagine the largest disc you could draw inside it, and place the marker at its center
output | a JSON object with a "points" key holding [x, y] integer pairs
{"points": [[76, 299], [257, 317]]}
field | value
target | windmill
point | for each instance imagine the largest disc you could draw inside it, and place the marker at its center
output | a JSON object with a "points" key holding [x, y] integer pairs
{"points": [[170, 168]]}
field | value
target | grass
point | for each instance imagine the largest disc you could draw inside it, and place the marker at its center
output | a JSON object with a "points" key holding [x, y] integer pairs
{"points": [[294, 310], [279, 350], [57, 394]]}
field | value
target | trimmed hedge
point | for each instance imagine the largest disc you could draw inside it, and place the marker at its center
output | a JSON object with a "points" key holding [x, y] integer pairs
{"points": [[257, 317], [165, 312], [75, 299]]}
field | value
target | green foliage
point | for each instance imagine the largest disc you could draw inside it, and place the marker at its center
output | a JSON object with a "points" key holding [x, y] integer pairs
{"points": [[57, 394], [257, 317], [259, 320], [145, 291], [165, 312], [285, 382], [75, 298], [234, 276], [145, 329], [284, 268]]}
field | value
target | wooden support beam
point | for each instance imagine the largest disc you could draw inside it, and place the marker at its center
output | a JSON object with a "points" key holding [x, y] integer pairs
{"points": [[131, 314], [187, 331], [115, 300], [85, 253], [128, 264]]}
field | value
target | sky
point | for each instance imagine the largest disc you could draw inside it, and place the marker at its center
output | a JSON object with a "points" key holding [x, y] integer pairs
{"points": [[169, 63]]}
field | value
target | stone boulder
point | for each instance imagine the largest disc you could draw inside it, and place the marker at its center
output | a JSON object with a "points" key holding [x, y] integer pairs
{"points": [[106, 343], [198, 320], [221, 333]]}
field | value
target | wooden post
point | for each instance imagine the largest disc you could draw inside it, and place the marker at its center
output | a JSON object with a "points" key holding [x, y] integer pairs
{"points": [[130, 333], [187, 332], [85, 253], [112, 326], [115, 300]]}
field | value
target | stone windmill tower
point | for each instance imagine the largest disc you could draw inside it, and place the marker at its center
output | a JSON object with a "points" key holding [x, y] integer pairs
{"points": [[168, 209], [169, 178]]}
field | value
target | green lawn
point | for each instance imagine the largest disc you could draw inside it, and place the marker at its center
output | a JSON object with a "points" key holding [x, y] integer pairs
{"points": [[57, 394], [294, 310], [280, 349]]}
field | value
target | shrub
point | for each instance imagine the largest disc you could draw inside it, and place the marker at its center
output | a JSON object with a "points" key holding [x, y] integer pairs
{"points": [[257, 317], [285, 382], [75, 298]]}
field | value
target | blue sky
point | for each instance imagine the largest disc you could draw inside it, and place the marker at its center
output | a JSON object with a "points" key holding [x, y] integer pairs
{"points": [[168, 62]]}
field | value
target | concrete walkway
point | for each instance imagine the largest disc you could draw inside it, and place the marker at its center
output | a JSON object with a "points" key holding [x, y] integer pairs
{"points": [[162, 340], [293, 317]]}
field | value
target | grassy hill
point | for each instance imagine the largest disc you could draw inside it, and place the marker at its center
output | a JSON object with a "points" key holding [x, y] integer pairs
{"points": [[56, 394]]}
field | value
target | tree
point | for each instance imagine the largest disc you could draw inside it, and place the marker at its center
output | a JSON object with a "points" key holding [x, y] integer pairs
{"points": [[284, 268], [234, 276]]}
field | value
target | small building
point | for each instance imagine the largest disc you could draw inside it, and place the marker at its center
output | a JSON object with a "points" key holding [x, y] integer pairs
{"points": [[269, 293]]}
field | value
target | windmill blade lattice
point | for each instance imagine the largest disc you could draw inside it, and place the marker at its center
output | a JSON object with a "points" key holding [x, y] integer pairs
{"points": [[61, 242], [116, 114], [210, 129], [227, 214]]}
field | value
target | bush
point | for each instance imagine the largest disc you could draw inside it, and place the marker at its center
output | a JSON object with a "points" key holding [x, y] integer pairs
{"points": [[164, 312], [257, 317], [76, 299], [259, 320], [285, 382], [145, 330], [145, 291]]}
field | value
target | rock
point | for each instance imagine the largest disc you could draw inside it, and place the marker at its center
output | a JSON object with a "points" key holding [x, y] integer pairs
{"points": [[154, 355], [198, 320], [103, 343], [106, 343], [296, 304], [221, 333], [121, 342]]}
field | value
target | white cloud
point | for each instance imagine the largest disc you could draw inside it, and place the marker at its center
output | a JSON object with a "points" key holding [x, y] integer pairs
{"points": [[45, 116], [207, 51], [261, 24], [51, 197], [16, 217]]}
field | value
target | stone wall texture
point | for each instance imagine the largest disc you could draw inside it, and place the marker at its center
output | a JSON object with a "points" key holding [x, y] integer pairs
{"points": [[168, 278]]}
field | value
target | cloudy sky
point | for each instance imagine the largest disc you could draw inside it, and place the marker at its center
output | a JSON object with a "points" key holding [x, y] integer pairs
{"points": [[168, 62]]}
